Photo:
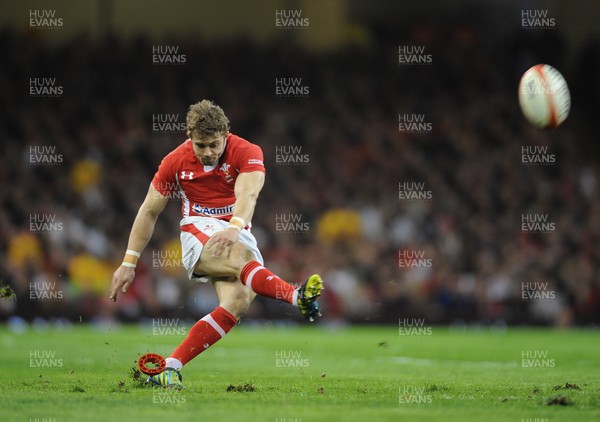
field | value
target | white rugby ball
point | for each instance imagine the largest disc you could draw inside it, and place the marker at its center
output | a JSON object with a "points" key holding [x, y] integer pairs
{"points": [[544, 96]]}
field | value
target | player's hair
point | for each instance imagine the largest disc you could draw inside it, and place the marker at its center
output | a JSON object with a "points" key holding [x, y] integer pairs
{"points": [[205, 118]]}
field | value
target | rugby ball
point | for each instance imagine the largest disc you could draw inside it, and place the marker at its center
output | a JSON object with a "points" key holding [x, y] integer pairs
{"points": [[544, 96]]}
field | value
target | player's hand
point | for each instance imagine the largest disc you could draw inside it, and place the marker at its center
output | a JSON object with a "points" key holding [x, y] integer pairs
{"points": [[121, 279], [222, 241]]}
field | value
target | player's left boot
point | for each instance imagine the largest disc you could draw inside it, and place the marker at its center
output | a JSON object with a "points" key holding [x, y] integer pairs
{"points": [[307, 297], [169, 378]]}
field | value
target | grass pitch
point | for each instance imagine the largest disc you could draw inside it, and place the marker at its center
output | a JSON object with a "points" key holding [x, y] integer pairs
{"points": [[306, 374]]}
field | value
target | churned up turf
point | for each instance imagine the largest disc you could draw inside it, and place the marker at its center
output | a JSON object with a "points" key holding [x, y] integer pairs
{"points": [[307, 373]]}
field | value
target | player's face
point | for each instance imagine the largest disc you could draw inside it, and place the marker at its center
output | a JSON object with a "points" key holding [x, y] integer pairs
{"points": [[209, 149]]}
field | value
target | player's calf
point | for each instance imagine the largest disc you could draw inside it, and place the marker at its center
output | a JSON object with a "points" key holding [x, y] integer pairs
{"points": [[233, 295]]}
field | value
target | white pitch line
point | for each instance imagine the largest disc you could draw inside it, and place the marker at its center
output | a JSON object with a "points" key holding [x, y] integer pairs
{"points": [[469, 363]]}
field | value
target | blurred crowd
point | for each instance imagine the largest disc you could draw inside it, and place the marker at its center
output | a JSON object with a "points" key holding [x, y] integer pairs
{"points": [[77, 162]]}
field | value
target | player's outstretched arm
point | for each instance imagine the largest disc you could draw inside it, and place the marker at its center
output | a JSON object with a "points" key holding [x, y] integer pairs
{"points": [[247, 187], [141, 232]]}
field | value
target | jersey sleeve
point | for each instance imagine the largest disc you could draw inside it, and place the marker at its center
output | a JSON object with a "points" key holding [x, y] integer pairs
{"points": [[164, 179], [251, 159]]}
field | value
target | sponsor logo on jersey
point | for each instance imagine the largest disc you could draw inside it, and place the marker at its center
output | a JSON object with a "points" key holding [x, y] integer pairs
{"points": [[187, 175], [255, 161], [199, 209]]}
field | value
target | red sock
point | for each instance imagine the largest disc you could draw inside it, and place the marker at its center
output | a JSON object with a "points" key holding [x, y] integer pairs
{"points": [[265, 283], [204, 334]]}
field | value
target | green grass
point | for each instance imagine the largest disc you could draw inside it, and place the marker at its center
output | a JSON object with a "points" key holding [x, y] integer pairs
{"points": [[356, 374]]}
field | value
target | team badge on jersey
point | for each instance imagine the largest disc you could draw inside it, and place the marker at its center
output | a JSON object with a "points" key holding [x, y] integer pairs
{"points": [[225, 169], [208, 229]]}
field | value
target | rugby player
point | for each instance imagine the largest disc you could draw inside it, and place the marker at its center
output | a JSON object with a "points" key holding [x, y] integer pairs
{"points": [[218, 176]]}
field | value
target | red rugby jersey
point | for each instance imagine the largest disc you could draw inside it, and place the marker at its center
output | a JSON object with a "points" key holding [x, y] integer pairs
{"points": [[207, 190]]}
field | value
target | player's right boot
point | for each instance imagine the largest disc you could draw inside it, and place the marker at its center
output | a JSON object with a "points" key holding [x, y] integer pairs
{"points": [[307, 297], [169, 378]]}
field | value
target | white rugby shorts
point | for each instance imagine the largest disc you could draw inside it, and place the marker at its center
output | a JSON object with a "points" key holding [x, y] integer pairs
{"points": [[195, 232]]}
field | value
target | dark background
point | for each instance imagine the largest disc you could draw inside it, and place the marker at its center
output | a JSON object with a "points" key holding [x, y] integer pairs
{"points": [[478, 260]]}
